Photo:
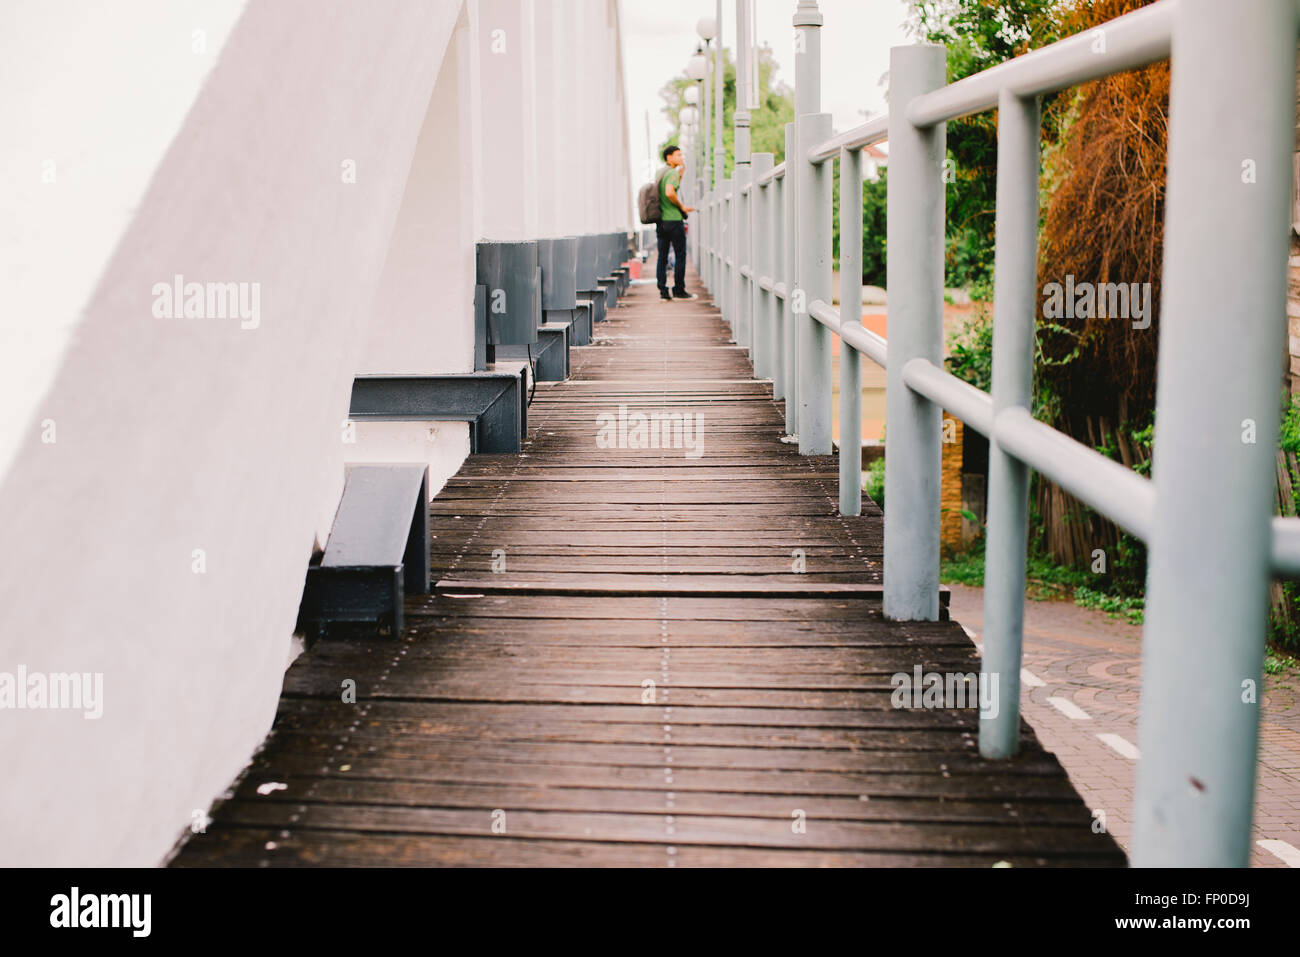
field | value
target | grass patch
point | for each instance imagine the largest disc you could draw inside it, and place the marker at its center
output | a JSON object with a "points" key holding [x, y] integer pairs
{"points": [[1044, 580], [1130, 609], [964, 569]]}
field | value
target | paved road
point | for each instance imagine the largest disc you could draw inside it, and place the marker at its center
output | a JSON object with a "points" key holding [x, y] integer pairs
{"points": [[1089, 669]]}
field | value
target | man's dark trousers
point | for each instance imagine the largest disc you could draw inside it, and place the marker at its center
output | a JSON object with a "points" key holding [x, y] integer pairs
{"points": [[672, 233]]}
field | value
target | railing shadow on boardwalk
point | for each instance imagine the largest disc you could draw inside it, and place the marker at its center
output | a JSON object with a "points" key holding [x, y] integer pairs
{"points": [[644, 656]]}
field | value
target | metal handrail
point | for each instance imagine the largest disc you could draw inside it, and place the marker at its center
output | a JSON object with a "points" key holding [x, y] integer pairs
{"points": [[1130, 41], [1204, 620], [775, 173], [868, 134]]}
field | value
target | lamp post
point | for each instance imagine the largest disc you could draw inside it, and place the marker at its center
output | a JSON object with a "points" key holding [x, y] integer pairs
{"points": [[707, 28], [719, 148], [690, 178], [738, 292], [697, 68], [687, 120]]}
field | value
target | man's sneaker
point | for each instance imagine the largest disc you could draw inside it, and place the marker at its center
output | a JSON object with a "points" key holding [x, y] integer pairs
{"points": [[683, 294], [665, 297]]}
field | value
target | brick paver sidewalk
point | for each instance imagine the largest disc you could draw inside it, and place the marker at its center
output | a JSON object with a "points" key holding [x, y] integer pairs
{"points": [[1089, 661]]}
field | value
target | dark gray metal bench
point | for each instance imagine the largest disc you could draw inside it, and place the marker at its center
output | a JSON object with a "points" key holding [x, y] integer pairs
{"points": [[378, 550], [495, 404]]}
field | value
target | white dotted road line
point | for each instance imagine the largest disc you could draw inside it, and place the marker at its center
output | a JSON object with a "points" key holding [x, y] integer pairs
{"points": [[1286, 853], [1120, 744], [1069, 709]]}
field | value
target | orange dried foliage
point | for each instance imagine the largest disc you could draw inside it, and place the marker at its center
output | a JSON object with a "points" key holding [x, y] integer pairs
{"points": [[1104, 222]]}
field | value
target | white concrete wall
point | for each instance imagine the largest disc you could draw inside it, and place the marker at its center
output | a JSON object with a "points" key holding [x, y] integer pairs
{"points": [[506, 128], [177, 435], [422, 319], [75, 164], [344, 157]]}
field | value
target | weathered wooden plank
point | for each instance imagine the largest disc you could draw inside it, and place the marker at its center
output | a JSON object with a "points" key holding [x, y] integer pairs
{"points": [[965, 837], [338, 790], [807, 721], [568, 576], [273, 847]]}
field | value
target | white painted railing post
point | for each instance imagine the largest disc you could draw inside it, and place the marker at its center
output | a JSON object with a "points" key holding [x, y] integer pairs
{"points": [[713, 239], [761, 208], [702, 227], [744, 252], [789, 341], [702, 263], [813, 266], [725, 233], [915, 281], [1222, 345], [719, 158], [740, 178], [1014, 301], [720, 223], [850, 315], [710, 254], [776, 305]]}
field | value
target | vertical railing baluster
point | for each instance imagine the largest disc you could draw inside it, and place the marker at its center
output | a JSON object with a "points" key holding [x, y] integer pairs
{"points": [[720, 247], [745, 255], [742, 174], [915, 281], [813, 268], [712, 255], [702, 241], [725, 232], [814, 281], [713, 239], [850, 315], [789, 341], [761, 206], [1222, 348], [702, 262], [1015, 283], [776, 305]]}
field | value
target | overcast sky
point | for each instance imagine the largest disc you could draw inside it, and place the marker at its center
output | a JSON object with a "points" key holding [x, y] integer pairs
{"points": [[659, 37]]}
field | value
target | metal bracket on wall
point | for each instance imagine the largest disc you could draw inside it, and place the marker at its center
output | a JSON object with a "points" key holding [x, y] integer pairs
{"points": [[481, 345], [378, 549], [551, 353], [495, 404], [609, 286], [595, 300]]}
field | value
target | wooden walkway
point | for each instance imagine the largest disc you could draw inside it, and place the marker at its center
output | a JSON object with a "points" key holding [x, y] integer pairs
{"points": [[621, 664]]}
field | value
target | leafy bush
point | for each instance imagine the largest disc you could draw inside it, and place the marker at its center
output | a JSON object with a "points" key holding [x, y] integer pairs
{"points": [[1045, 579], [874, 204], [970, 351], [874, 483], [1117, 606], [1288, 439]]}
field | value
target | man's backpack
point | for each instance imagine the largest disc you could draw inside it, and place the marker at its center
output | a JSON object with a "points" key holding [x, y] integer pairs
{"points": [[648, 200]]}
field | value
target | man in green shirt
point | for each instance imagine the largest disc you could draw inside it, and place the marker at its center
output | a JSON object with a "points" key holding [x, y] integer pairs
{"points": [[671, 228]]}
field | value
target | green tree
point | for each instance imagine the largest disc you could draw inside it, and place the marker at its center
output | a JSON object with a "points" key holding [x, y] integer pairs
{"points": [[766, 124], [980, 34], [875, 194]]}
